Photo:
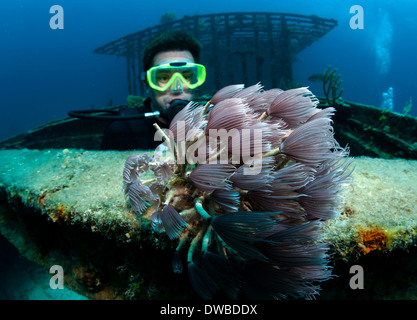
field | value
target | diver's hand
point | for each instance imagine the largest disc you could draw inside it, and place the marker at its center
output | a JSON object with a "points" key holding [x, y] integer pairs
{"points": [[175, 107]]}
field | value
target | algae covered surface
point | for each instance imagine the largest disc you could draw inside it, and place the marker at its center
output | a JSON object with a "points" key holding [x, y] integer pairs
{"points": [[84, 187], [380, 210], [74, 186], [94, 231]]}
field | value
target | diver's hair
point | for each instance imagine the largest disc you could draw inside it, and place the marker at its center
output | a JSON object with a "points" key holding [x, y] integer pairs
{"points": [[171, 40]]}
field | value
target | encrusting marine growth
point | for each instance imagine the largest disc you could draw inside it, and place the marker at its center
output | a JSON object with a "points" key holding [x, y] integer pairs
{"points": [[247, 179]]}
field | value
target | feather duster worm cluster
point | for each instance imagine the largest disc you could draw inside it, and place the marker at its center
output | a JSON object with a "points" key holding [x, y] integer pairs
{"points": [[246, 215]]}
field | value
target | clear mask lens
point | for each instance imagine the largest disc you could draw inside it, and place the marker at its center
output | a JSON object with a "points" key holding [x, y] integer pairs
{"points": [[177, 85]]}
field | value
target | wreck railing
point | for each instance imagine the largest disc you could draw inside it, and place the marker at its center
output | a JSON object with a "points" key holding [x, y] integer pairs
{"points": [[243, 47]]}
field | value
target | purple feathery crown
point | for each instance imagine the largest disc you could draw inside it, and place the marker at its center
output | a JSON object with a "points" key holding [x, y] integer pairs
{"points": [[246, 182]]}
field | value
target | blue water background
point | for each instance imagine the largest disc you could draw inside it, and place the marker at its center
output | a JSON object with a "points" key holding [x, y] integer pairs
{"points": [[45, 73]]}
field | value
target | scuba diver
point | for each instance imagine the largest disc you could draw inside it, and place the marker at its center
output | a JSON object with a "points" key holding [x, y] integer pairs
{"points": [[171, 73]]}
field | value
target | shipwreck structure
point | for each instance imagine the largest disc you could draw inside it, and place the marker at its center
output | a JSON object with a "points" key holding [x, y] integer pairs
{"points": [[243, 47]]}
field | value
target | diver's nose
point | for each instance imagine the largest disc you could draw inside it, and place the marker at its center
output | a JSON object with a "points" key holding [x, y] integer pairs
{"points": [[177, 86]]}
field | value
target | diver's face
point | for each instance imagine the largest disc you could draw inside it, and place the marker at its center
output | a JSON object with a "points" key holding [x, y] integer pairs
{"points": [[162, 99]]}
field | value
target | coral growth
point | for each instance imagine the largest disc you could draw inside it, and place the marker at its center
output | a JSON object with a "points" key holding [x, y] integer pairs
{"points": [[60, 213], [86, 277], [331, 86], [134, 101], [372, 239], [244, 182], [408, 106], [168, 17]]}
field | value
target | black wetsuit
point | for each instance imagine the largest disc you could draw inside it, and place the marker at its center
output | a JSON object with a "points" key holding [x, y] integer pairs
{"points": [[139, 133]]}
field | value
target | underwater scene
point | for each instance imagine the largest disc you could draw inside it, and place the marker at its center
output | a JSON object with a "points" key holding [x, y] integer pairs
{"points": [[208, 151]]}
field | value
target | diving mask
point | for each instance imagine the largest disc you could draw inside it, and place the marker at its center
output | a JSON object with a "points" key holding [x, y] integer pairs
{"points": [[178, 76]]}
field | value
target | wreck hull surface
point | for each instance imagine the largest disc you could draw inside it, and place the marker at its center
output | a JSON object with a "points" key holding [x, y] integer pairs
{"points": [[65, 207]]}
